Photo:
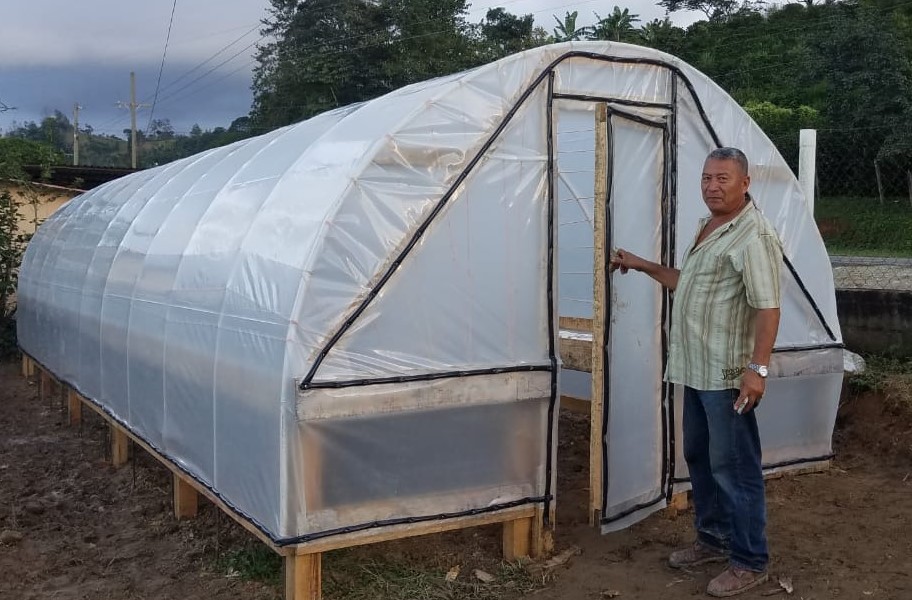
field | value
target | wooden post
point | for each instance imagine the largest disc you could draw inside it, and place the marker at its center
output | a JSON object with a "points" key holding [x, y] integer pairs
{"points": [[517, 539], [909, 179], [186, 499], [879, 184], [599, 310], [678, 503], [302, 577], [44, 385], [26, 367], [74, 407], [119, 446]]}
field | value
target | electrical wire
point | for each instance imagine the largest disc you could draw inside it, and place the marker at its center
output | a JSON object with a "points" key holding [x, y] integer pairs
{"points": [[162, 67]]}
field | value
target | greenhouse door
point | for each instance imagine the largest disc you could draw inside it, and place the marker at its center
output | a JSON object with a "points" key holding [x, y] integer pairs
{"points": [[633, 421]]}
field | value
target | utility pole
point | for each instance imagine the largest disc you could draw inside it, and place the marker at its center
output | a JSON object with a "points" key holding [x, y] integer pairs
{"points": [[133, 105], [76, 108]]}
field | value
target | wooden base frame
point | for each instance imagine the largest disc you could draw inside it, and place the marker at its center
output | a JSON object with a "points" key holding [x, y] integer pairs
{"points": [[524, 534]]}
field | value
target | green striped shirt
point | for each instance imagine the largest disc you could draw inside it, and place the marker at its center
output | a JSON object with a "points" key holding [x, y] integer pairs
{"points": [[724, 280]]}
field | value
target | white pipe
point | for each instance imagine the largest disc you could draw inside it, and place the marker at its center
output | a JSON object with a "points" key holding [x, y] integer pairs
{"points": [[807, 164]]}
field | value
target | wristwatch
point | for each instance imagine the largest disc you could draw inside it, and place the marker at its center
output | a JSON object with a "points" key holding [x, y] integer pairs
{"points": [[760, 370]]}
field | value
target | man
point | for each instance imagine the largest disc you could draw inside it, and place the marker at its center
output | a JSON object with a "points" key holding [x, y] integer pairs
{"points": [[724, 322]]}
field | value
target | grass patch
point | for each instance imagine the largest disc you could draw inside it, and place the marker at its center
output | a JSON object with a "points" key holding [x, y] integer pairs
{"points": [[256, 562], [881, 373], [863, 227], [348, 575]]}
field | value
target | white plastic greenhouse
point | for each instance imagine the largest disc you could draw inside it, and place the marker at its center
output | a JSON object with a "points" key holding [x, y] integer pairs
{"points": [[353, 322]]}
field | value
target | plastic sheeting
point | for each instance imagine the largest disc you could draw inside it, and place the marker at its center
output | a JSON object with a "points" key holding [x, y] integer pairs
{"points": [[406, 236]]}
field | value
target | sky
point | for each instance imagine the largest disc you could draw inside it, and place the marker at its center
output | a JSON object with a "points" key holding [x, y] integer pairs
{"points": [[57, 53]]}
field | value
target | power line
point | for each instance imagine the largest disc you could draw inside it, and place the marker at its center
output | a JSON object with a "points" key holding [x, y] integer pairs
{"points": [[203, 63], [162, 67], [299, 47]]}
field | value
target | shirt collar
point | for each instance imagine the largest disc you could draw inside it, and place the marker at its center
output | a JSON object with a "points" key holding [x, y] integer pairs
{"points": [[745, 210]]}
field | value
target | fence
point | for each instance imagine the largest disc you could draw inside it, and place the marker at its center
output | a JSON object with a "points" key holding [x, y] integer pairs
{"points": [[863, 206]]}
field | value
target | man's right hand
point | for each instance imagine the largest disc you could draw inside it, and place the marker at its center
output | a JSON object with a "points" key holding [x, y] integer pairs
{"points": [[624, 260]]}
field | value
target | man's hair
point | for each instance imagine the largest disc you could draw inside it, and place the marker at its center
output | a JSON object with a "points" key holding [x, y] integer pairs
{"points": [[730, 154]]}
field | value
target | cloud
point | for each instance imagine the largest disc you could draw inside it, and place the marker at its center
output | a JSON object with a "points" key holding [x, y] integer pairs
{"points": [[210, 102]]}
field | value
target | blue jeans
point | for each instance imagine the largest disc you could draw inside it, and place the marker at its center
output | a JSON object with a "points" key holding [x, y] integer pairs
{"points": [[722, 450]]}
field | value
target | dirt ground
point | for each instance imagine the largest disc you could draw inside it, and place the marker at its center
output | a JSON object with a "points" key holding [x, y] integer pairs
{"points": [[72, 527]]}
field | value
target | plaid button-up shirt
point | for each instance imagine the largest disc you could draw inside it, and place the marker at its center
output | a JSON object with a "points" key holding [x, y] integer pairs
{"points": [[724, 280]]}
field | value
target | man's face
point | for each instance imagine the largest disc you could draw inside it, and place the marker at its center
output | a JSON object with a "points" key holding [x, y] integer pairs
{"points": [[723, 185]]}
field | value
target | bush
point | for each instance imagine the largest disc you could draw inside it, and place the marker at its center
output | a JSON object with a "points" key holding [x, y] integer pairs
{"points": [[12, 246]]}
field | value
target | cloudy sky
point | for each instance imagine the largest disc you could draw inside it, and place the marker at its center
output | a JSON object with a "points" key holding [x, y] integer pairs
{"points": [[54, 53]]}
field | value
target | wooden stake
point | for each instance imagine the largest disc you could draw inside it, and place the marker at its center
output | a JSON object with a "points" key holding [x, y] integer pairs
{"points": [[909, 179], [119, 446], [599, 312], [44, 385], [678, 503], [186, 500], [542, 537], [303, 577], [879, 185], [74, 407], [517, 537]]}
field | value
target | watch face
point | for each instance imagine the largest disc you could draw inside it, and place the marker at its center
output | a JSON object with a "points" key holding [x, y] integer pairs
{"points": [[763, 371]]}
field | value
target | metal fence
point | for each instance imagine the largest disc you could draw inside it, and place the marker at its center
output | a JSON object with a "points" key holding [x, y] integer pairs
{"points": [[872, 273], [863, 198]]}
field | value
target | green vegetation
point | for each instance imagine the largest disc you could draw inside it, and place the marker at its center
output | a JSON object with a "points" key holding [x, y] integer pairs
{"points": [[879, 371], [864, 227], [891, 378], [351, 575], [254, 562], [13, 154]]}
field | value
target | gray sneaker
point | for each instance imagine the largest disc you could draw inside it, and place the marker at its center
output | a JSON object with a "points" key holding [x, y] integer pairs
{"points": [[733, 581], [697, 554]]}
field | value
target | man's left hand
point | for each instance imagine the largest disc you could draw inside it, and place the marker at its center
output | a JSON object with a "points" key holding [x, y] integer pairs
{"points": [[752, 388]]}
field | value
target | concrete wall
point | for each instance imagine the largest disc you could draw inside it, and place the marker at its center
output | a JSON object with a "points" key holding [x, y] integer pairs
{"points": [[878, 321], [37, 200]]}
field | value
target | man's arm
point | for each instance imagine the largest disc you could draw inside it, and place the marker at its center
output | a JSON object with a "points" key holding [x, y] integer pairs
{"points": [[752, 385], [666, 276]]}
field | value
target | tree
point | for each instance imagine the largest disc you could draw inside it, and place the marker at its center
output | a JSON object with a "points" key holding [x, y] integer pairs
{"points": [[14, 153], [782, 124], [503, 33], [567, 30], [616, 27], [160, 129], [330, 53], [323, 54], [663, 35], [713, 9], [429, 38]]}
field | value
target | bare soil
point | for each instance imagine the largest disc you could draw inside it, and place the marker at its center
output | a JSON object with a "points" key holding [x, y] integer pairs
{"points": [[72, 527]]}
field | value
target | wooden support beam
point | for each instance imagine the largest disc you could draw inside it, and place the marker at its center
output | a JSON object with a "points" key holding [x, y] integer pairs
{"points": [[44, 385], [517, 539], [186, 499], [26, 366], [576, 324], [543, 537], [576, 354], [678, 504], [119, 445], [74, 407], [599, 311], [579, 406], [303, 576]]}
